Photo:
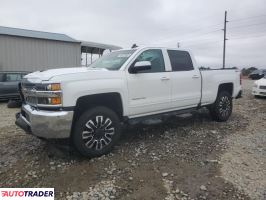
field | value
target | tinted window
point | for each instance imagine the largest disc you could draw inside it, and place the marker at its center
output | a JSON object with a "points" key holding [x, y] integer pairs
{"points": [[155, 56], [180, 60], [13, 77]]}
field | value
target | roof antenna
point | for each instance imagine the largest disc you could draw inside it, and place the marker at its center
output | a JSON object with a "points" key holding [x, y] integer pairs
{"points": [[134, 46]]}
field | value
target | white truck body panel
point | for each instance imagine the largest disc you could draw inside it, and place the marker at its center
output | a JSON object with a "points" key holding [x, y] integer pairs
{"points": [[143, 93], [211, 79]]}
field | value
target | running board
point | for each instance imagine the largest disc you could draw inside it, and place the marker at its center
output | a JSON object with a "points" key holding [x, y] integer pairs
{"points": [[161, 115]]}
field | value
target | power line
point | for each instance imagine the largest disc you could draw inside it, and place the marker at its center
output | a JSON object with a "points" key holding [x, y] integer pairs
{"points": [[254, 36], [201, 35], [247, 18], [191, 35], [217, 41], [201, 40], [215, 25], [204, 43], [235, 27], [197, 29]]}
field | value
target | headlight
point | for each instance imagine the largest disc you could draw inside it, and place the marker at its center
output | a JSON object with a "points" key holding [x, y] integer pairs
{"points": [[52, 95], [53, 87]]}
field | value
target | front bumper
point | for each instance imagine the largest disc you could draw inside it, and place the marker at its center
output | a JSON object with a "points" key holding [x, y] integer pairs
{"points": [[45, 124], [258, 92]]}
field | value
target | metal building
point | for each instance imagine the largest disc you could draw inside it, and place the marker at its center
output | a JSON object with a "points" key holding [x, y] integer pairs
{"points": [[28, 50]]}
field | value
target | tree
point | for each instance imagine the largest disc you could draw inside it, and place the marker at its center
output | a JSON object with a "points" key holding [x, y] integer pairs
{"points": [[246, 72]]}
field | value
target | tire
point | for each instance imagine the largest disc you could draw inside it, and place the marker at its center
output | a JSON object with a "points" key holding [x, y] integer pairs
{"points": [[222, 108], [14, 104], [96, 132]]}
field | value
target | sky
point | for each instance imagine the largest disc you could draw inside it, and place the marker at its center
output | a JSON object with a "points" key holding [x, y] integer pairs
{"points": [[195, 24]]}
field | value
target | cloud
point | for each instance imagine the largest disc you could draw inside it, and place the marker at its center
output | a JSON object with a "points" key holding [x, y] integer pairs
{"points": [[196, 24]]}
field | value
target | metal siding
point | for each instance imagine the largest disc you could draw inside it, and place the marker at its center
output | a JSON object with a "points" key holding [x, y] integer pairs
{"points": [[35, 34], [18, 53]]}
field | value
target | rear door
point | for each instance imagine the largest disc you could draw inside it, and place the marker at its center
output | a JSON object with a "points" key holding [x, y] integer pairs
{"points": [[149, 91], [186, 80]]}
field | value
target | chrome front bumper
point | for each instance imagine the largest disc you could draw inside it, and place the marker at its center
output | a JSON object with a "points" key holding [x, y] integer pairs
{"points": [[45, 124]]}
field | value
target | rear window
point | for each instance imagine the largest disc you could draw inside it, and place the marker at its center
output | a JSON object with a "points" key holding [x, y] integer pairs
{"points": [[180, 60]]}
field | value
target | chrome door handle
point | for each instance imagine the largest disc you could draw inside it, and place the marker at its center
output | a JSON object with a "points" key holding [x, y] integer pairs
{"points": [[195, 76], [165, 78]]}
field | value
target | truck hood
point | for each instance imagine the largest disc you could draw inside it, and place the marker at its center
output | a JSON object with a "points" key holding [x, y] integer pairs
{"points": [[48, 74]]}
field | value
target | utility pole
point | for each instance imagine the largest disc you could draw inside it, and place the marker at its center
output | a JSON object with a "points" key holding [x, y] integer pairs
{"points": [[178, 45], [225, 22]]}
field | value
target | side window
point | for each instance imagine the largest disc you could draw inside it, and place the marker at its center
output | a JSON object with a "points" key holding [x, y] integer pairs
{"points": [[13, 77], [155, 56], [180, 60]]}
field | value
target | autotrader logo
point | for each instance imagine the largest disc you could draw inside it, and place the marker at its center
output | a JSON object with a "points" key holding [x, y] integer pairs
{"points": [[27, 193]]}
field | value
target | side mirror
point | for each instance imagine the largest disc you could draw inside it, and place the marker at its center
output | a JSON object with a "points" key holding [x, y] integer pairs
{"points": [[141, 66]]}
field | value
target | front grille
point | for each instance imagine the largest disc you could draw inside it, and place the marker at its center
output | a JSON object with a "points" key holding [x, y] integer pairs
{"points": [[36, 100], [27, 89], [37, 95], [31, 100], [263, 87], [37, 86]]}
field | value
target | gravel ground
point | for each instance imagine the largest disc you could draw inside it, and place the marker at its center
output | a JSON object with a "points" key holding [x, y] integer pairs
{"points": [[185, 157]]}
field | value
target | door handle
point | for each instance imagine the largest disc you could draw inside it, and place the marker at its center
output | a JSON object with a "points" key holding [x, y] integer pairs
{"points": [[195, 76], [165, 78]]}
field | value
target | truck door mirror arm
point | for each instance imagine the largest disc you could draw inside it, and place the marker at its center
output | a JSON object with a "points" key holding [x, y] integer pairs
{"points": [[140, 66]]}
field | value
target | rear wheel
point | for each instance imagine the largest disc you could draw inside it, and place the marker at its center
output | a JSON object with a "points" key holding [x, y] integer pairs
{"points": [[96, 132], [221, 110]]}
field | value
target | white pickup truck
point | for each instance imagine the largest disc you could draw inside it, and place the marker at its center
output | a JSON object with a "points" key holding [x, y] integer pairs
{"points": [[90, 104]]}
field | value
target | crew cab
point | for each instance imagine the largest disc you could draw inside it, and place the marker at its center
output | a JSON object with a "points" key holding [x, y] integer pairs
{"points": [[89, 105]]}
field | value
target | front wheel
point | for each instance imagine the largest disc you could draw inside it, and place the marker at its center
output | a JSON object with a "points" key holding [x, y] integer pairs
{"points": [[96, 131], [222, 108]]}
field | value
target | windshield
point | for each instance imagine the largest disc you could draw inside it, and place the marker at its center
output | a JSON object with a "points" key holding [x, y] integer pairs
{"points": [[114, 60]]}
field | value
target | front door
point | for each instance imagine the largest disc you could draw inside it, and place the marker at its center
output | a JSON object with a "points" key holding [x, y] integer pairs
{"points": [[149, 91]]}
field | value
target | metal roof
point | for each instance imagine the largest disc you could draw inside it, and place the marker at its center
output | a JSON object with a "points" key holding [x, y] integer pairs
{"points": [[96, 48], [35, 34]]}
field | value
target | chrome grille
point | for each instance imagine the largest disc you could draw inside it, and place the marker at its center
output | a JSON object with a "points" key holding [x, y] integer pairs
{"points": [[29, 90], [37, 94]]}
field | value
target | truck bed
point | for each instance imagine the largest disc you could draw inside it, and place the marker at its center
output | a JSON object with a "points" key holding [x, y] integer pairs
{"points": [[212, 78]]}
